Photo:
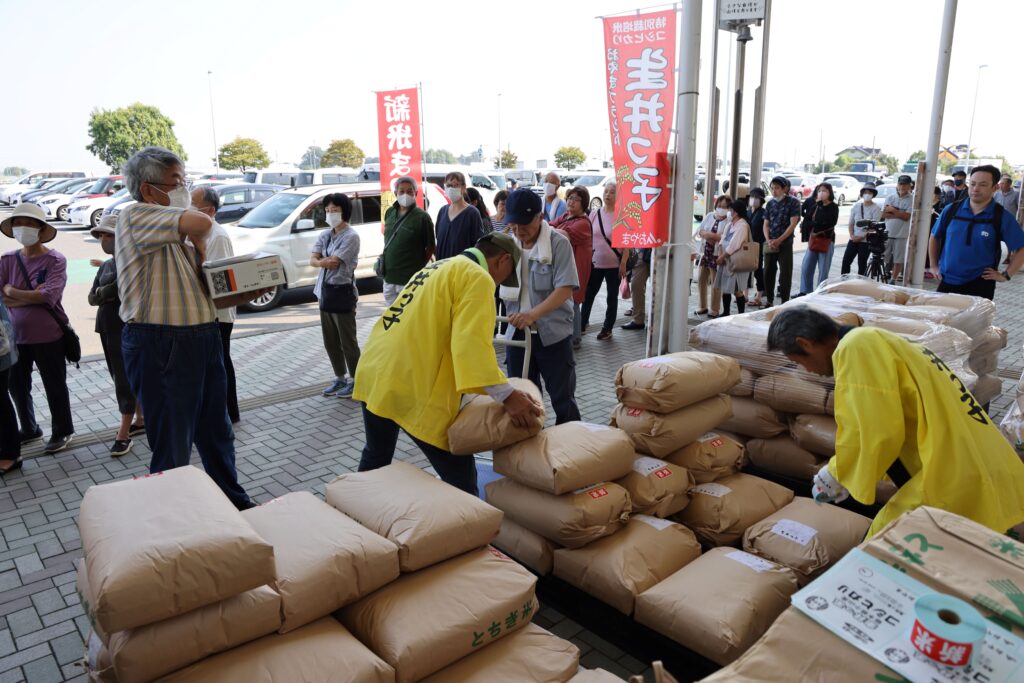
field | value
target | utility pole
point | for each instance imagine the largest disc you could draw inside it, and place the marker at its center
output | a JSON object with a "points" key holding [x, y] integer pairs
{"points": [[742, 38], [499, 132], [756, 153], [213, 121], [711, 167], [974, 109]]}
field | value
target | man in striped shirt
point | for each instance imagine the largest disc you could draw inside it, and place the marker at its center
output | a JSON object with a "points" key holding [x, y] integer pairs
{"points": [[171, 341]]}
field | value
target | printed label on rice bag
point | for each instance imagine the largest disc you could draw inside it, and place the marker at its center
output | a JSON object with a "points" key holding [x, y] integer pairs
{"points": [[595, 491], [794, 531], [714, 439], [752, 561], [646, 466], [655, 522], [635, 412], [591, 427], [712, 489]]}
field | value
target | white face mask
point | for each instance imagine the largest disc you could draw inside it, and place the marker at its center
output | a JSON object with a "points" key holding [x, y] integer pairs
{"points": [[550, 189], [179, 197], [25, 235], [729, 214], [720, 212], [406, 200], [454, 193], [866, 197], [334, 219]]}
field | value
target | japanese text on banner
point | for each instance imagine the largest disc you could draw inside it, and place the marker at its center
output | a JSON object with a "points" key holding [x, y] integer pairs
{"points": [[398, 133], [640, 68]]}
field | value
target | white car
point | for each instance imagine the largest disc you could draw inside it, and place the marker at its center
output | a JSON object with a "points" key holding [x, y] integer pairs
{"points": [[14, 195], [88, 211], [845, 188], [290, 222], [35, 176]]}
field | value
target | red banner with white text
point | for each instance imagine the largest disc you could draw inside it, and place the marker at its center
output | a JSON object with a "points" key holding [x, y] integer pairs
{"points": [[640, 60], [398, 133]]}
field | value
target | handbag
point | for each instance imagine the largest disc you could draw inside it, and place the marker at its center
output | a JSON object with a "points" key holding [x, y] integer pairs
{"points": [[744, 259], [378, 265], [819, 242], [624, 290], [72, 344], [338, 298]]}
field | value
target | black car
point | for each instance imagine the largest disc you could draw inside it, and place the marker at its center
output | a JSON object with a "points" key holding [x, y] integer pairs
{"points": [[238, 200]]}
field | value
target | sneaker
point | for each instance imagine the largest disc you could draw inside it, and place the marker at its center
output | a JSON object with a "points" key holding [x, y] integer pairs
{"points": [[246, 505], [120, 447], [577, 343], [335, 386], [28, 437], [633, 326], [604, 335], [346, 389], [135, 430], [57, 443]]}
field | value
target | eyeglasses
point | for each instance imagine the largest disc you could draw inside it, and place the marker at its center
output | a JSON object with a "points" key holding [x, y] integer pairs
{"points": [[187, 184], [573, 198]]}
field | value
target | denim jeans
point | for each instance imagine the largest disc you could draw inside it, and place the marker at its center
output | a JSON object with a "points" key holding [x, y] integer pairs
{"points": [[178, 375], [556, 365], [381, 438], [815, 259]]}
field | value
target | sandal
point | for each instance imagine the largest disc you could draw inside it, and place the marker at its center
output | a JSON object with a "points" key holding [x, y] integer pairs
{"points": [[702, 311], [15, 465]]}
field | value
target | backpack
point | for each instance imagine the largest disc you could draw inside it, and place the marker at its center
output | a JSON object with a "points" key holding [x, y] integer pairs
{"points": [[996, 220]]}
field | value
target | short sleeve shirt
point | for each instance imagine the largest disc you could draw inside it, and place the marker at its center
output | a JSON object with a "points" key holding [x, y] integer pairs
{"points": [[47, 273], [779, 214], [406, 250], [897, 227], [545, 278], [456, 236], [345, 245], [969, 243]]}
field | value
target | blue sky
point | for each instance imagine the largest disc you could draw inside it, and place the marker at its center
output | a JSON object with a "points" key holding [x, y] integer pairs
{"points": [[291, 74]]}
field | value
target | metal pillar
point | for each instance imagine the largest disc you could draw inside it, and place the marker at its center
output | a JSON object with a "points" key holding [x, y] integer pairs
{"points": [[742, 38], [711, 167], [757, 150]]}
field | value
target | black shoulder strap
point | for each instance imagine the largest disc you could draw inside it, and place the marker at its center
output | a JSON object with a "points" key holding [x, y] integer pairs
{"points": [[600, 222], [28, 281], [398, 226]]}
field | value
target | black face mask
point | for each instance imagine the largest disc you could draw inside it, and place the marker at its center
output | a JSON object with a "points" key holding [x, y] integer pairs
{"points": [[958, 182]]}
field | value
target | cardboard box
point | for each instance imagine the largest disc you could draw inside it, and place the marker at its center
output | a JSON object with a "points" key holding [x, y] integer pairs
{"points": [[807, 537], [617, 568], [782, 455], [797, 649], [720, 511], [753, 419], [141, 654], [526, 547], [719, 604], [660, 434], [483, 425], [657, 487], [712, 456], [426, 518], [244, 273], [323, 651], [529, 655], [430, 619], [571, 519], [166, 544], [325, 560], [567, 457], [954, 555], [667, 383]]}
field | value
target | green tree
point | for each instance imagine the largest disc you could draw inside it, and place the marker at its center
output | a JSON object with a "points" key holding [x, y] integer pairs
{"points": [[117, 134], [14, 171], [569, 157], [311, 158], [508, 159], [243, 153], [438, 156], [947, 165], [919, 155], [343, 153], [841, 163], [888, 161]]}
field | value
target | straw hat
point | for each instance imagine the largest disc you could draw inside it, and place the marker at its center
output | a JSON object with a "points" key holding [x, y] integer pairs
{"points": [[47, 232]]}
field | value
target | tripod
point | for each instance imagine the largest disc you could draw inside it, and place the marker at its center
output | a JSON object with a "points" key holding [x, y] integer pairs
{"points": [[877, 268]]}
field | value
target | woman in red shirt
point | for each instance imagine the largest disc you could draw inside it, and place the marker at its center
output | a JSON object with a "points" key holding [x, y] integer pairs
{"points": [[575, 225]]}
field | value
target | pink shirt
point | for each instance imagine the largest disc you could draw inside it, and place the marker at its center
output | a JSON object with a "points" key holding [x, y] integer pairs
{"points": [[604, 257], [34, 324]]}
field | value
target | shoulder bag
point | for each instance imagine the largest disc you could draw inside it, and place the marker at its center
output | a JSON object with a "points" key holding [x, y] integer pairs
{"points": [[72, 345], [744, 260], [378, 265], [338, 298], [819, 242]]}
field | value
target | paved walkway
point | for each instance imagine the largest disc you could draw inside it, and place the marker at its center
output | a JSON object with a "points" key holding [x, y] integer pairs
{"points": [[290, 438]]}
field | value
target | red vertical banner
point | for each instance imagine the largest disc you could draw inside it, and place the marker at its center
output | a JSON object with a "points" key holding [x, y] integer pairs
{"points": [[398, 133], [640, 62]]}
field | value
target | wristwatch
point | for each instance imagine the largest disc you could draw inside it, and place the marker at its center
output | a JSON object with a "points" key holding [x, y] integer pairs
{"points": [[1006, 274]]}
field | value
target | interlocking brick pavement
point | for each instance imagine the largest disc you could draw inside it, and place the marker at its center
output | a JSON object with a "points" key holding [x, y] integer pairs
{"points": [[290, 438]]}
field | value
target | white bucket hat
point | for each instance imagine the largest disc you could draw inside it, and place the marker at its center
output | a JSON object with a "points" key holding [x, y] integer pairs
{"points": [[47, 232]]}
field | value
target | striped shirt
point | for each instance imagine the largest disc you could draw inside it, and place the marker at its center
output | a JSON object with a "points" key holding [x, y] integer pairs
{"points": [[157, 276]]}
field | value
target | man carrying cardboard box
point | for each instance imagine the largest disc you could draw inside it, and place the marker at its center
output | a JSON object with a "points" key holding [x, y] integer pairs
{"points": [[433, 344], [902, 412]]}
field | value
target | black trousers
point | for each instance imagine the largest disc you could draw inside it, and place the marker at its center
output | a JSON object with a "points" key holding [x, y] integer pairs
{"points": [[10, 442], [381, 438], [229, 367], [759, 273], [49, 358], [556, 365], [111, 343], [979, 287], [858, 250], [610, 278], [779, 263]]}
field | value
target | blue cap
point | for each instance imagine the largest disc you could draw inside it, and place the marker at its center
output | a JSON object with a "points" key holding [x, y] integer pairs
{"points": [[522, 206]]}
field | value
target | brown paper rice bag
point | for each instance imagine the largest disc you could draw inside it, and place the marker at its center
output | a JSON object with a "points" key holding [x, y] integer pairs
{"points": [[720, 511], [657, 487], [667, 383], [712, 456], [660, 434], [529, 655], [483, 425], [753, 419]]}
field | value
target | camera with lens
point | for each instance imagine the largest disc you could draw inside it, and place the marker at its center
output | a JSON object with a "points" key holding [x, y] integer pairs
{"points": [[875, 235]]}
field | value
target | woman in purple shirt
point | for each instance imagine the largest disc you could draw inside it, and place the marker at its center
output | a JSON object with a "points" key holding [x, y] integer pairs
{"points": [[32, 280]]}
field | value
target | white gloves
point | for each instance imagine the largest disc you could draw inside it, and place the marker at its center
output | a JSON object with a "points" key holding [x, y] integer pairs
{"points": [[826, 489]]}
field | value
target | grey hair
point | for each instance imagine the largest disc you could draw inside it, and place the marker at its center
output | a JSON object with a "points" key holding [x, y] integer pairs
{"points": [[612, 184], [799, 321], [406, 179], [148, 166], [210, 196]]}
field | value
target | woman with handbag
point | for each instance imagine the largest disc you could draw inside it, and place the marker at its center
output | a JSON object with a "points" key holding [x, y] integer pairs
{"points": [[575, 225], [736, 257], [710, 232], [336, 254], [821, 239], [609, 264], [32, 280]]}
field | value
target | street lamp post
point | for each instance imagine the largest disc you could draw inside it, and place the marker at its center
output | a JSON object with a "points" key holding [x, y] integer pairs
{"points": [[500, 165], [974, 108], [213, 122]]}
